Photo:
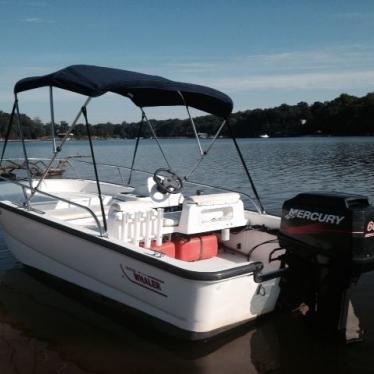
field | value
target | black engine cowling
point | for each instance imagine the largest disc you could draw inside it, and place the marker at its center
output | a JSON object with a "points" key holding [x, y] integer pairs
{"points": [[333, 225], [329, 242]]}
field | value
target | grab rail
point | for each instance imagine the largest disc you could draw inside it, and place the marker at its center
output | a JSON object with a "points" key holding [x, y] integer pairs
{"points": [[23, 186], [117, 167], [185, 181]]}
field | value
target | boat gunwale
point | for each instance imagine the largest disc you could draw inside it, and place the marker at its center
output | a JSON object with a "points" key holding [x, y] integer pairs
{"points": [[219, 275]]}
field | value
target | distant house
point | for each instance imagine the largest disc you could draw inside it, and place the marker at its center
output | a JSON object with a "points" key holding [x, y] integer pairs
{"points": [[202, 135]]}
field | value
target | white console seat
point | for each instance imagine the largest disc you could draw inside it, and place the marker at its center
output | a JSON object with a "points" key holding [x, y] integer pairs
{"points": [[203, 213], [214, 199]]}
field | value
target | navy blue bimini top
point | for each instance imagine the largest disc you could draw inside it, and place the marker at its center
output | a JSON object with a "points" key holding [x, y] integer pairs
{"points": [[143, 89]]}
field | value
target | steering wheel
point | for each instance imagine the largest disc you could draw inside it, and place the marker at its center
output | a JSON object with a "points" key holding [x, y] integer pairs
{"points": [[167, 181]]}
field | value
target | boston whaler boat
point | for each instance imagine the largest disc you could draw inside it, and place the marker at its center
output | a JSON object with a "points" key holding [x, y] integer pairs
{"points": [[189, 261], [199, 264]]}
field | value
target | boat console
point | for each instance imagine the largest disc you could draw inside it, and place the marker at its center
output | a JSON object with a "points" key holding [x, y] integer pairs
{"points": [[139, 219], [158, 210]]}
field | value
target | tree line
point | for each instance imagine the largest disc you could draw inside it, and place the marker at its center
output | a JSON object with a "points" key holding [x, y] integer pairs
{"points": [[346, 115]]}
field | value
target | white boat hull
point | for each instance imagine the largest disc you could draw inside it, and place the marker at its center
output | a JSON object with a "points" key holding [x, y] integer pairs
{"points": [[200, 307]]}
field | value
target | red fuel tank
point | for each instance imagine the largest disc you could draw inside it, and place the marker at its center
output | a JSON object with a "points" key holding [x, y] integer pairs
{"points": [[167, 248], [196, 248]]}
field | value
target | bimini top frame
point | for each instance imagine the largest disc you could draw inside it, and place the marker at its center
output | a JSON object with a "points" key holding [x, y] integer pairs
{"points": [[144, 90]]}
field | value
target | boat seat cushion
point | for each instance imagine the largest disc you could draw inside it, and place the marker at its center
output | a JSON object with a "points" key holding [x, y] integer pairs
{"points": [[131, 206]]}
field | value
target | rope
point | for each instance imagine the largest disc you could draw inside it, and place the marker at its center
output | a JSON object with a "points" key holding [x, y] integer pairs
{"points": [[249, 253]]}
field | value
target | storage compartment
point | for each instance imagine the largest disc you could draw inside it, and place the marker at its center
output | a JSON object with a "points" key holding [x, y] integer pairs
{"points": [[196, 248], [207, 213]]}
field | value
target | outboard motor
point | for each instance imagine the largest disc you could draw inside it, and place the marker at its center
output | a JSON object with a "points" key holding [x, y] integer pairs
{"points": [[329, 242]]}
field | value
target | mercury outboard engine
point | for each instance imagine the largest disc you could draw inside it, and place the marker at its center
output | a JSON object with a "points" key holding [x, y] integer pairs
{"points": [[329, 242]]}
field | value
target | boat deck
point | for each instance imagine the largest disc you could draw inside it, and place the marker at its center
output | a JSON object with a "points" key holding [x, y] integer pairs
{"points": [[227, 258], [78, 207]]}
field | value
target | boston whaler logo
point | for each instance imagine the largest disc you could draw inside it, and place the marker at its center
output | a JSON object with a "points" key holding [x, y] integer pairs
{"points": [[144, 280], [314, 216]]}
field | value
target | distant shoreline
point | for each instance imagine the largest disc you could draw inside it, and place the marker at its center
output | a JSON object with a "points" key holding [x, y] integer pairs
{"points": [[206, 139], [346, 115]]}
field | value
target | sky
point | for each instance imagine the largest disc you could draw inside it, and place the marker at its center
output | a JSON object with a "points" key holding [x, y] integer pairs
{"points": [[261, 53]]}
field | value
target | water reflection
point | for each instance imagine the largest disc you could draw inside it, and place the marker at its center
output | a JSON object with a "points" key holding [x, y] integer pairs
{"points": [[97, 339], [52, 327]]}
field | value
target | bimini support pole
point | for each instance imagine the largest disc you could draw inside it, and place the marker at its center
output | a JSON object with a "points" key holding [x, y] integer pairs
{"points": [[136, 148], [245, 167], [8, 131], [52, 118], [207, 150], [192, 123], [84, 112], [155, 137], [58, 149], [20, 130]]}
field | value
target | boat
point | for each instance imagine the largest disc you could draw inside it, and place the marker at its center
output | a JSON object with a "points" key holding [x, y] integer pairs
{"points": [[188, 261], [195, 264], [203, 135], [264, 136], [16, 168], [61, 135]]}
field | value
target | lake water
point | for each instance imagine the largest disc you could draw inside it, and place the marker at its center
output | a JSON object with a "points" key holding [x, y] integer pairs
{"points": [[48, 327]]}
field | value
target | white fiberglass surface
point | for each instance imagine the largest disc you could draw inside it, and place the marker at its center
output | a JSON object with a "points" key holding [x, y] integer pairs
{"points": [[84, 192], [225, 259], [80, 186]]}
